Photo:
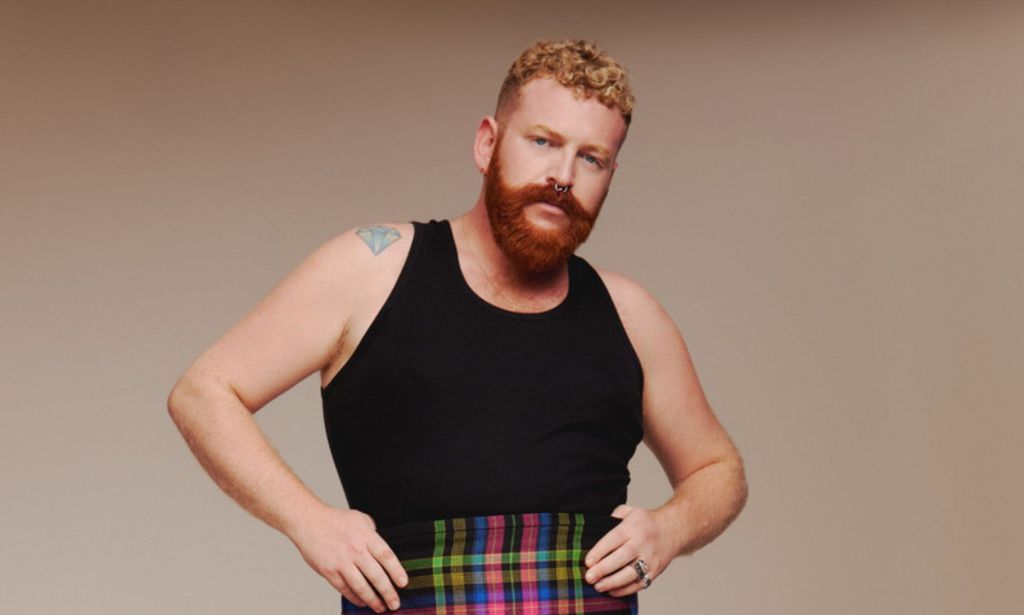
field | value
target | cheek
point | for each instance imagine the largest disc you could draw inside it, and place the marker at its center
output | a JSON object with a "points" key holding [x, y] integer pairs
{"points": [[530, 171], [534, 165], [591, 193]]}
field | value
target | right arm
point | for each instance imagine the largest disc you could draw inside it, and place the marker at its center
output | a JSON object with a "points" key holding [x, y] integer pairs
{"points": [[290, 334]]}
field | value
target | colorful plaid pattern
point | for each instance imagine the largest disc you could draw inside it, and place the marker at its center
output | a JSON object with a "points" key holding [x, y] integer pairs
{"points": [[516, 564]]}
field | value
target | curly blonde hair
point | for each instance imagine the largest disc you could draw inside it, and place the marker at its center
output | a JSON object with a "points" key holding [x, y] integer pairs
{"points": [[575, 63]]}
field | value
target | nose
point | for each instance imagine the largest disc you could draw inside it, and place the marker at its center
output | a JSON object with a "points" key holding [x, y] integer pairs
{"points": [[561, 173]]}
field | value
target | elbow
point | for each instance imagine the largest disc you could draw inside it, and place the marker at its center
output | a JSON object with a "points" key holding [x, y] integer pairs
{"points": [[742, 488], [182, 396], [174, 402], [177, 401]]}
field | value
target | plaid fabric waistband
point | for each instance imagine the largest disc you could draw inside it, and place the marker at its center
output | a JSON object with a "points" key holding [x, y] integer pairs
{"points": [[516, 564]]}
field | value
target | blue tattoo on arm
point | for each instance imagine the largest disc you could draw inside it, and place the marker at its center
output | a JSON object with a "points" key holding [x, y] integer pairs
{"points": [[378, 237]]}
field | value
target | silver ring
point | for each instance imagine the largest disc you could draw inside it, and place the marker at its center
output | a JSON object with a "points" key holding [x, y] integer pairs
{"points": [[641, 572], [561, 188]]}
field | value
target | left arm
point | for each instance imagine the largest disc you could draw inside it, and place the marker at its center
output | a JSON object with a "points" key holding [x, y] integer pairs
{"points": [[700, 460]]}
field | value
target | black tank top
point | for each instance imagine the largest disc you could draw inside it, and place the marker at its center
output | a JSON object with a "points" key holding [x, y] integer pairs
{"points": [[451, 406]]}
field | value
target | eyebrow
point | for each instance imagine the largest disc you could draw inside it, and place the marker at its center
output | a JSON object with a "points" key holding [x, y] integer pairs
{"points": [[599, 149]]}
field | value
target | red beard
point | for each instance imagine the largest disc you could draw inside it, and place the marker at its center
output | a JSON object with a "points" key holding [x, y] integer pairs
{"points": [[526, 246]]}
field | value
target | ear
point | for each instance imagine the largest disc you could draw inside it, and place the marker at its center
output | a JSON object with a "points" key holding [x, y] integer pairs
{"points": [[483, 144]]}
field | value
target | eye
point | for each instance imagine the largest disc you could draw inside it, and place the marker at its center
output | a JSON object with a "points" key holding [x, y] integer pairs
{"points": [[540, 140], [592, 160]]}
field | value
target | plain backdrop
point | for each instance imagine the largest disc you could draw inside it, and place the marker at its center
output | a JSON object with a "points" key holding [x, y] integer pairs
{"points": [[826, 197]]}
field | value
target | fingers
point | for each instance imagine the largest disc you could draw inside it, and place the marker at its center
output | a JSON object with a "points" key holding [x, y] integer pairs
{"points": [[377, 568], [390, 562], [349, 594], [356, 576], [608, 543], [610, 565], [362, 590], [371, 581], [629, 588], [625, 575], [337, 580]]}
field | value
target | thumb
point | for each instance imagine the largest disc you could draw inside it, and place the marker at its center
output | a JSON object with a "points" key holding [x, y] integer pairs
{"points": [[622, 510]]}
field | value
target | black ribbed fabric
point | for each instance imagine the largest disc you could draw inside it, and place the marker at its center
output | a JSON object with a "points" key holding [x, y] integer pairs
{"points": [[451, 406]]}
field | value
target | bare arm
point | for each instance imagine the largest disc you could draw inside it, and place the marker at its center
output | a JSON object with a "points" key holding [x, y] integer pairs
{"points": [[276, 345], [291, 333], [701, 462], [224, 436]]}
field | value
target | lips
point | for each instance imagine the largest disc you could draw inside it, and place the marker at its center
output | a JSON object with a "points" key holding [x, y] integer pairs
{"points": [[558, 205]]}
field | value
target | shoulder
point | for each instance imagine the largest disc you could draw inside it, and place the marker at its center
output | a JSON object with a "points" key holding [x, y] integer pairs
{"points": [[632, 300], [648, 325], [363, 261], [371, 243], [363, 250]]}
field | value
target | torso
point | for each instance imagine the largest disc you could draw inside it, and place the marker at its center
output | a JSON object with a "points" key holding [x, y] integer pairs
{"points": [[455, 388]]}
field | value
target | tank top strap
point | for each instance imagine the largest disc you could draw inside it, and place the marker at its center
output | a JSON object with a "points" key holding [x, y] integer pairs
{"points": [[426, 263], [586, 288], [593, 295], [432, 244]]}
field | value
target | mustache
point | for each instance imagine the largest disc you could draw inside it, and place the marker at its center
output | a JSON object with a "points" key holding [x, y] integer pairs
{"points": [[532, 193]]}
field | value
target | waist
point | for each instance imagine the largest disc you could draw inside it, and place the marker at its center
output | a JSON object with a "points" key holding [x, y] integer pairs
{"points": [[515, 563]]}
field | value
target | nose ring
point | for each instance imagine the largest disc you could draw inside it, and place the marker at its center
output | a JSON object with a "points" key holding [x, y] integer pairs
{"points": [[561, 188]]}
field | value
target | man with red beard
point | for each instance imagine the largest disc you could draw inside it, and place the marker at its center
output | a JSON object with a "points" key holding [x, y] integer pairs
{"points": [[527, 247], [480, 381]]}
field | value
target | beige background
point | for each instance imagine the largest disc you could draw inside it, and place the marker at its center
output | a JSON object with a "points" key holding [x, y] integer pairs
{"points": [[827, 200]]}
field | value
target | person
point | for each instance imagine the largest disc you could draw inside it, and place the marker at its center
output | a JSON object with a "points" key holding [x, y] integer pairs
{"points": [[477, 368]]}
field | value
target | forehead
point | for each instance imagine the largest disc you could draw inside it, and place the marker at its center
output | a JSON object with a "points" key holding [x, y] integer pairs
{"points": [[547, 102]]}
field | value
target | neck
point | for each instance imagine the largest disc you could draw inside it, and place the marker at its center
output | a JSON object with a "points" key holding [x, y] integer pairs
{"points": [[476, 228]]}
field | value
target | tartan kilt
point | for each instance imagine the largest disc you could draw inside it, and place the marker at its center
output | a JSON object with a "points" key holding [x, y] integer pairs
{"points": [[515, 564]]}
